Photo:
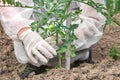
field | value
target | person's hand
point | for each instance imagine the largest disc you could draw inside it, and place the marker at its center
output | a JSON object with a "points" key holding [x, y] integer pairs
{"points": [[21, 54], [37, 49], [52, 41]]}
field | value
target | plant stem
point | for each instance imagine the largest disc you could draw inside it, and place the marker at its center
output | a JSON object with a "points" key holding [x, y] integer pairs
{"points": [[67, 54], [60, 60]]}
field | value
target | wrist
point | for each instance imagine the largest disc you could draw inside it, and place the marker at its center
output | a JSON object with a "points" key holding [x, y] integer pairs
{"points": [[22, 30]]}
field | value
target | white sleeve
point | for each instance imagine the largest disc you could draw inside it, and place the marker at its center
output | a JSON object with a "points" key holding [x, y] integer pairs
{"points": [[14, 18], [90, 30]]}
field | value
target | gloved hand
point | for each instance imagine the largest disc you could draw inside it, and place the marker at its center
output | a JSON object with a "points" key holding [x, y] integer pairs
{"points": [[37, 49], [21, 54], [52, 41], [14, 19]]}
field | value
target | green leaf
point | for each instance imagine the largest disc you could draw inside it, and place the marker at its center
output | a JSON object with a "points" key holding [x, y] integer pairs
{"points": [[116, 21], [48, 1], [18, 4], [73, 26], [72, 54], [11, 2], [64, 27], [78, 11], [61, 32], [62, 1], [47, 5], [37, 14], [39, 3], [113, 52], [62, 49], [34, 25], [72, 50]]}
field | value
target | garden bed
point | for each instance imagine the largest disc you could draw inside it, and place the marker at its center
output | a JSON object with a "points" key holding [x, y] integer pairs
{"points": [[104, 67]]}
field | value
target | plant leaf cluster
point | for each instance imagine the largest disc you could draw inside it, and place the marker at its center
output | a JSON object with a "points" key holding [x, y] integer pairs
{"points": [[114, 52]]}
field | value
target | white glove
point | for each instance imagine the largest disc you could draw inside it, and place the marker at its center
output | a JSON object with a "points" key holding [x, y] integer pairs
{"points": [[35, 46], [21, 54], [52, 41]]}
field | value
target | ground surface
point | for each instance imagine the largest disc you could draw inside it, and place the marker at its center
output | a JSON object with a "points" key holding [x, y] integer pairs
{"points": [[104, 68]]}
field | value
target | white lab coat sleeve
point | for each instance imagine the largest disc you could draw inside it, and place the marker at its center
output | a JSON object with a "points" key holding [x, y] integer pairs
{"points": [[13, 18], [90, 30]]}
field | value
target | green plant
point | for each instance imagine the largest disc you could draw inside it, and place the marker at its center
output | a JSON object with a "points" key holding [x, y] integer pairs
{"points": [[56, 12], [113, 8], [115, 51]]}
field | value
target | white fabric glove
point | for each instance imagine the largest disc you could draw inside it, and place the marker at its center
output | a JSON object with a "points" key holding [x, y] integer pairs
{"points": [[21, 54], [52, 41], [35, 46]]}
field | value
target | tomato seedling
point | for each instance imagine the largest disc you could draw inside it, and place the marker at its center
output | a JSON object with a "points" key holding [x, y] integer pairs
{"points": [[57, 15]]}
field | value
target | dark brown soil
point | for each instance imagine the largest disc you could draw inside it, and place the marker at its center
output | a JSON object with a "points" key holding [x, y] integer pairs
{"points": [[104, 68]]}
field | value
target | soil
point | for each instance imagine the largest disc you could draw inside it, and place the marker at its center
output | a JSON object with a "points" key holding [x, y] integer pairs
{"points": [[104, 67]]}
